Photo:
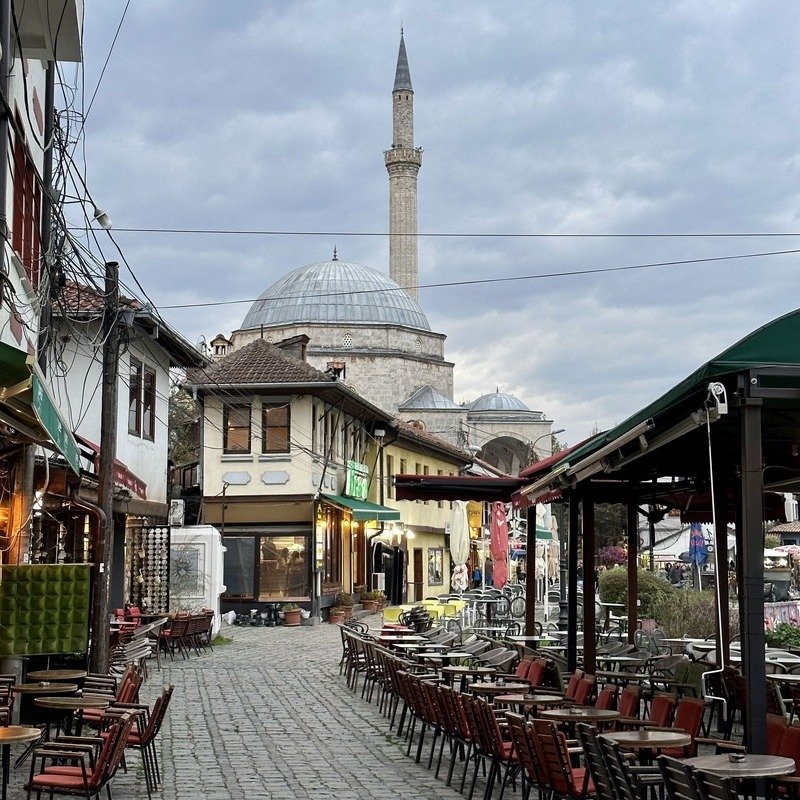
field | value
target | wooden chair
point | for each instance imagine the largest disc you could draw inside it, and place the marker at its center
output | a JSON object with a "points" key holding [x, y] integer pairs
{"points": [[595, 763], [679, 779], [564, 780], [87, 771], [142, 738], [522, 737]]}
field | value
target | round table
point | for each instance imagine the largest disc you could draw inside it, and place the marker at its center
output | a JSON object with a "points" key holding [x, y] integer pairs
{"points": [[753, 766], [13, 734], [69, 705], [784, 677], [529, 700], [580, 714], [44, 687], [57, 675], [486, 687], [646, 739]]}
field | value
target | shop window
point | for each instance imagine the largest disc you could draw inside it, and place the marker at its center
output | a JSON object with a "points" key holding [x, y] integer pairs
{"points": [[275, 428], [435, 566], [239, 566], [236, 428], [283, 567]]}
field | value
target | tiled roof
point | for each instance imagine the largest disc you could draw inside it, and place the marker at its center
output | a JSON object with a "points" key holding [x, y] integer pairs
{"points": [[80, 299], [409, 431], [785, 527], [257, 363]]}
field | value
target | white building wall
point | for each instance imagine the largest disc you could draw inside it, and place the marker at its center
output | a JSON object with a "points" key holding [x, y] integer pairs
{"points": [[75, 376]]}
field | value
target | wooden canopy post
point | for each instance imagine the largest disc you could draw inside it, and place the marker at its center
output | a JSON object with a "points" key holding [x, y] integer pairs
{"points": [[751, 592], [633, 571], [589, 616], [530, 574], [572, 588]]}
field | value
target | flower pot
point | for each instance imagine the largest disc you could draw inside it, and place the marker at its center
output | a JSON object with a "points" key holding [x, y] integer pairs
{"points": [[337, 618], [291, 618], [370, 605], [347, 611]]}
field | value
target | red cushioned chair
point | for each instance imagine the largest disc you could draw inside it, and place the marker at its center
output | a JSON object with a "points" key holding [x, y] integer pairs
{"points": [[88, 769], [563, 779]]}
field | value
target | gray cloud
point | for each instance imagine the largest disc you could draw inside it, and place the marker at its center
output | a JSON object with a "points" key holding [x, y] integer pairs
{"points": [[559, 117]]}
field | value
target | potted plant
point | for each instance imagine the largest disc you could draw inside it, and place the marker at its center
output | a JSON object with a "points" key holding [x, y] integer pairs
{"points": [[345, 601], [359, 590], [291, 614], [336, 615], [369, 601]]}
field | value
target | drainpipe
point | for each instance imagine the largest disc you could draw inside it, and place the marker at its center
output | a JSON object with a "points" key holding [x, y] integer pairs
{"points": [[381, 477]]}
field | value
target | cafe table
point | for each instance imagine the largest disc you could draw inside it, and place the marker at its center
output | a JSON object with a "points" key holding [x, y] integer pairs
{"points": [[580, 714], [649, 739], [65, 707], [56, 675], [493, 688], [752, 766], [621, 676], [529, 639], [44, 687], [529, 701], [14, 734], [784, 677]]}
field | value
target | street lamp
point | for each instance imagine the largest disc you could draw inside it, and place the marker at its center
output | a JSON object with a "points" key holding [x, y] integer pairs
{"points": [[532, 445]]}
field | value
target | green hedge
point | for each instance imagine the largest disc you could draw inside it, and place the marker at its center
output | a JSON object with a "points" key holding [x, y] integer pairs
{"points": [[613, 585]]}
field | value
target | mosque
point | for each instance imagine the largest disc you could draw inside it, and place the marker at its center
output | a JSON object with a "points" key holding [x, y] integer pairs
{"points": [[367, 327]]}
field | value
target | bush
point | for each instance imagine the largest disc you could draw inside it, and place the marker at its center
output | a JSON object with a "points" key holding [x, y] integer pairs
{"points": [[344, 599], [784, 635], [686, 612], [614, 589]]}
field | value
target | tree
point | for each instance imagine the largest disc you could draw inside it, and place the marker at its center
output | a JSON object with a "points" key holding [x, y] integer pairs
{"points": [[184, 428]]}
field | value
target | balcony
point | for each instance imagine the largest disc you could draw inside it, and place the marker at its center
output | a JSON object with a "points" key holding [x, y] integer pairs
{"points": [[50, 30]]}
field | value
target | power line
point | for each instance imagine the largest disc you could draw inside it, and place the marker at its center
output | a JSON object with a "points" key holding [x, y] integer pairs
{"points": [[460, 235], [509, 279]]}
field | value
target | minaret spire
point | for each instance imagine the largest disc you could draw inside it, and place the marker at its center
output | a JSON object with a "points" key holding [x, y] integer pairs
{"points": [[403, 162]]}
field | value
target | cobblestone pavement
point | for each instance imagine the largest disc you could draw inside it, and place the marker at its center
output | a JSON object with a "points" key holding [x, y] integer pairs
{"points": [[268, 717]]}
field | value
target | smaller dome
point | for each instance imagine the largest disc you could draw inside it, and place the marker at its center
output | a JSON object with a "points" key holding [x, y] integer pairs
{"points": [[498, 401]]}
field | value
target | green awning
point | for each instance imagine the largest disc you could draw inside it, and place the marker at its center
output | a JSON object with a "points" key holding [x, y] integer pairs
{"points": [[27, 405], [362, 510], [52, 421], [543, 534]]}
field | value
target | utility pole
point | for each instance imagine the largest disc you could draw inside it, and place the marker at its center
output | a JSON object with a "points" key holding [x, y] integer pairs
{"points": [[104, 541]]}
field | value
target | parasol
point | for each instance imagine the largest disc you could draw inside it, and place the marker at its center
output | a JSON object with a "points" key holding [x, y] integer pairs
{"points": [[499, 546], [459, 533]]}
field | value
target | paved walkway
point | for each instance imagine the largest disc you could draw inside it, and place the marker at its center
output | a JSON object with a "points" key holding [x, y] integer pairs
{"points": [[268, 718]]}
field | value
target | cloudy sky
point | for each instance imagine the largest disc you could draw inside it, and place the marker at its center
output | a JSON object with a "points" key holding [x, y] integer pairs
{"points": [[552, 118]]}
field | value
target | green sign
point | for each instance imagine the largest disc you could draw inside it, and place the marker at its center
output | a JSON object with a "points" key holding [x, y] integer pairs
{"points": [[57, 429], [357, 484]]}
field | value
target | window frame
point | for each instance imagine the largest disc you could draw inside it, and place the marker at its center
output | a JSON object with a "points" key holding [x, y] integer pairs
{"points": [[148, 425], [226, 409], [135, 367], [266, 408]]}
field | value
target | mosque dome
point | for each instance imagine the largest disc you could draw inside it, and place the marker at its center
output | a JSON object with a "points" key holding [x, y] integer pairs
{"points": [[498, 401], [336, 292]]}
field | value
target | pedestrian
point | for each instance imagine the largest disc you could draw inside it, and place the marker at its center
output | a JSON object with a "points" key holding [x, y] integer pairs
{"points": [[476, 577]]}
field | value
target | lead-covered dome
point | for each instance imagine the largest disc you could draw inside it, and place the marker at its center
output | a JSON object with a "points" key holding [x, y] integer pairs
{"points": [[498, 401], [335, 291]]}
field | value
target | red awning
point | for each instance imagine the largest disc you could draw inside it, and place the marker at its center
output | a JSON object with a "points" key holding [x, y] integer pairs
{"points": [[456, 487], [122, 475]]}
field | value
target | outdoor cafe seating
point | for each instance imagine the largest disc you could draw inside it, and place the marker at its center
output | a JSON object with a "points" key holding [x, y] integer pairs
{"points": [[502, 741]]}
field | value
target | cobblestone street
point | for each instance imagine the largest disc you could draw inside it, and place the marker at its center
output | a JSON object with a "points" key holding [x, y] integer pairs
{"points": [[269, 717]]}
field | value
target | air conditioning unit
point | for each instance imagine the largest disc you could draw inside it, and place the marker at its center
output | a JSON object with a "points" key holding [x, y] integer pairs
{"points": [[177, 511], [378, 581]]}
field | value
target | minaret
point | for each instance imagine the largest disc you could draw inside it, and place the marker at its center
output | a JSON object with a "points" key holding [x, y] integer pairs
{"points": [[403, 162]]}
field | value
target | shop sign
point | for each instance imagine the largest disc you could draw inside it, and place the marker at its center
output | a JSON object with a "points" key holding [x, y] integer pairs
{"points": [[357, 480], [475, 518]]}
